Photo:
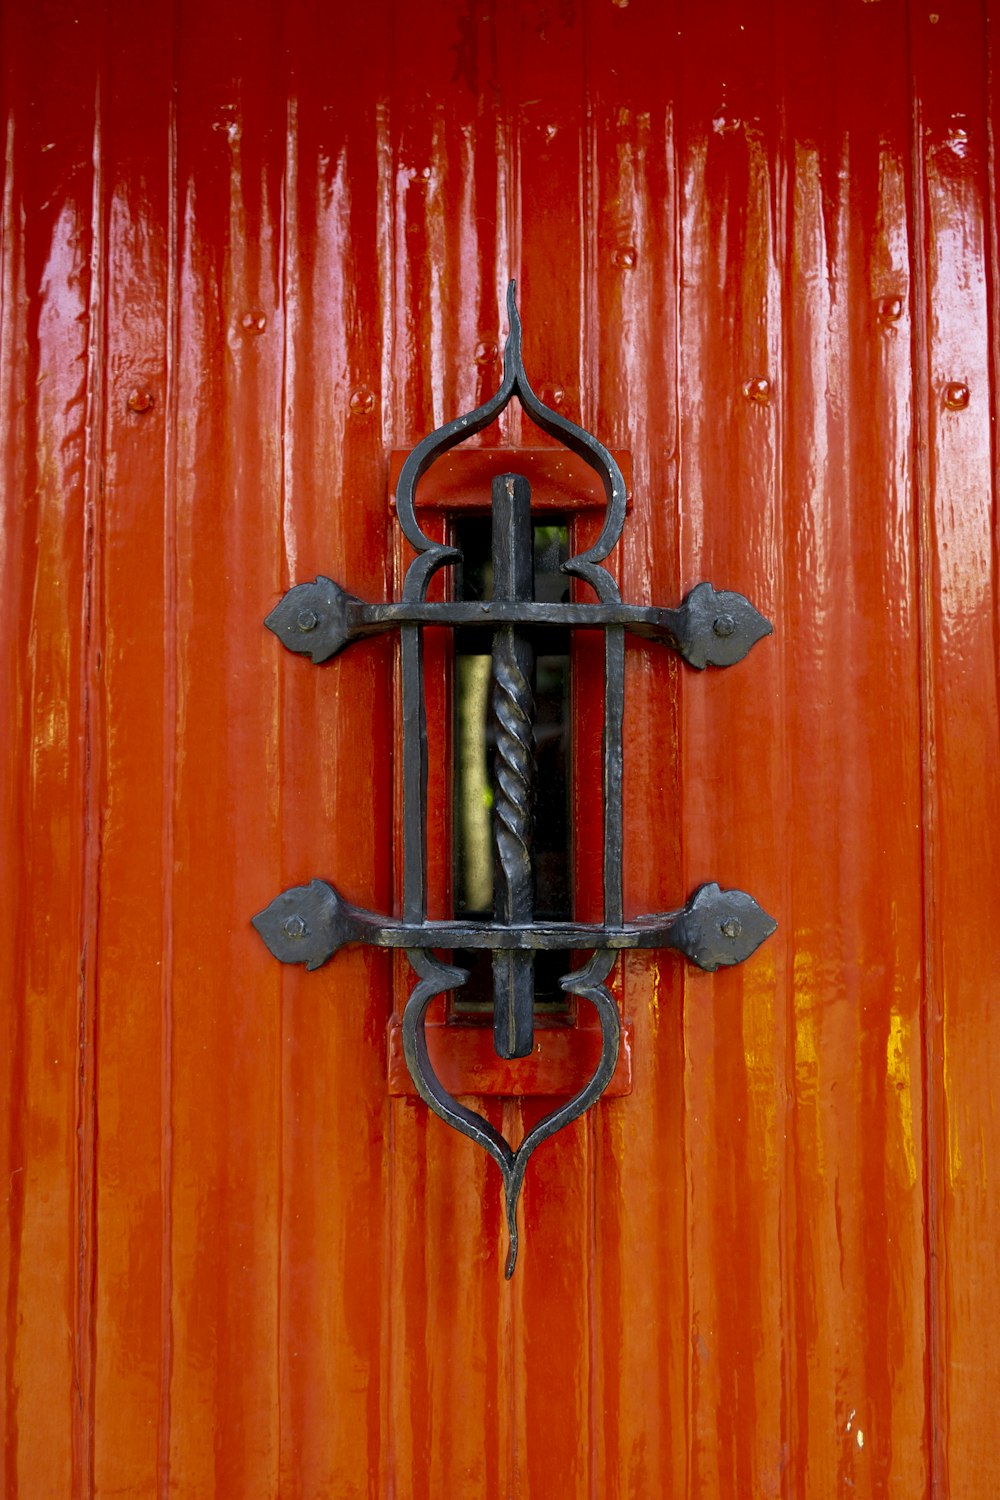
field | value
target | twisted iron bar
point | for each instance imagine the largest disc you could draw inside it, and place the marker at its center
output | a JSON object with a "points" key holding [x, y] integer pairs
{"points": [[512, 705]]}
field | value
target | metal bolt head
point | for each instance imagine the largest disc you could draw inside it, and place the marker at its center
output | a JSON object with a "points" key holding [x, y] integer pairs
{"points": [[294, 926], [731, 927], [140, 400], [362, 402], [306, 620], [724, 626], [956, 395], [758, 389]]}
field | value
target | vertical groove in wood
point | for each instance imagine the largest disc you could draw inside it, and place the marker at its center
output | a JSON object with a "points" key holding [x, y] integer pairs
{"points": [[789, 1360], [990, 22], [15, 552], [168, 737], [292, 1456], [791, 1481], [932, 1114], [92, 817]]}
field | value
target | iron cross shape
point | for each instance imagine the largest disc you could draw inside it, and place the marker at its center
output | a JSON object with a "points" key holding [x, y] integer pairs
{"points": [[308, 923]]}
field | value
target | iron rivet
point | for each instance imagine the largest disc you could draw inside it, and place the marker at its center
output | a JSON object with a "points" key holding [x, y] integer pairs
{"points": [[731, 927], [890, 309], [724, 625], [254, 322], [758, 389], [306, 620], [626, 258], [362, 402], [140, 400], [294, 927], [956, 395]]}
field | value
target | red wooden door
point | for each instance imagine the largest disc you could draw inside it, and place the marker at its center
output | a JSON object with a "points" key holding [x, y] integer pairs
{"points": [[247, 252]]}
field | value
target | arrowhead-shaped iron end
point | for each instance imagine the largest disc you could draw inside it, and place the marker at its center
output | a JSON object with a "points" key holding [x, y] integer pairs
{"points": [[718, 928], [719, 627], [305, 924], [313, 619]]}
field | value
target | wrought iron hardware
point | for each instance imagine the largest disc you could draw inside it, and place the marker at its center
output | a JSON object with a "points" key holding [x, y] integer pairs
{"points": [[307, 924]]}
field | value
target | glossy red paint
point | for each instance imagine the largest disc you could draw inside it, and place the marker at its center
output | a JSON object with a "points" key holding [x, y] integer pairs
{"points": [[247, 252]]}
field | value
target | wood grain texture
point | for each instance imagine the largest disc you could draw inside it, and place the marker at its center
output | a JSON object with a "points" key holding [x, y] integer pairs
{"points": [[247, 253]]}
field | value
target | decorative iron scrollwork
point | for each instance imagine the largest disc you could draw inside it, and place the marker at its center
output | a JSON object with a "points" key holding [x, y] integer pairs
{"points": [[308, 924]]}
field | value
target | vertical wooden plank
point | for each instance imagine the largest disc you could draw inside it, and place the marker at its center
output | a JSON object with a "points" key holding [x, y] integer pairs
{"points": [[50, 395], [132, 1297], [810, 239], [734, 1026], [956, 402], [330, 790], [225, 1058], [854, 858], [639, 1300]]}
